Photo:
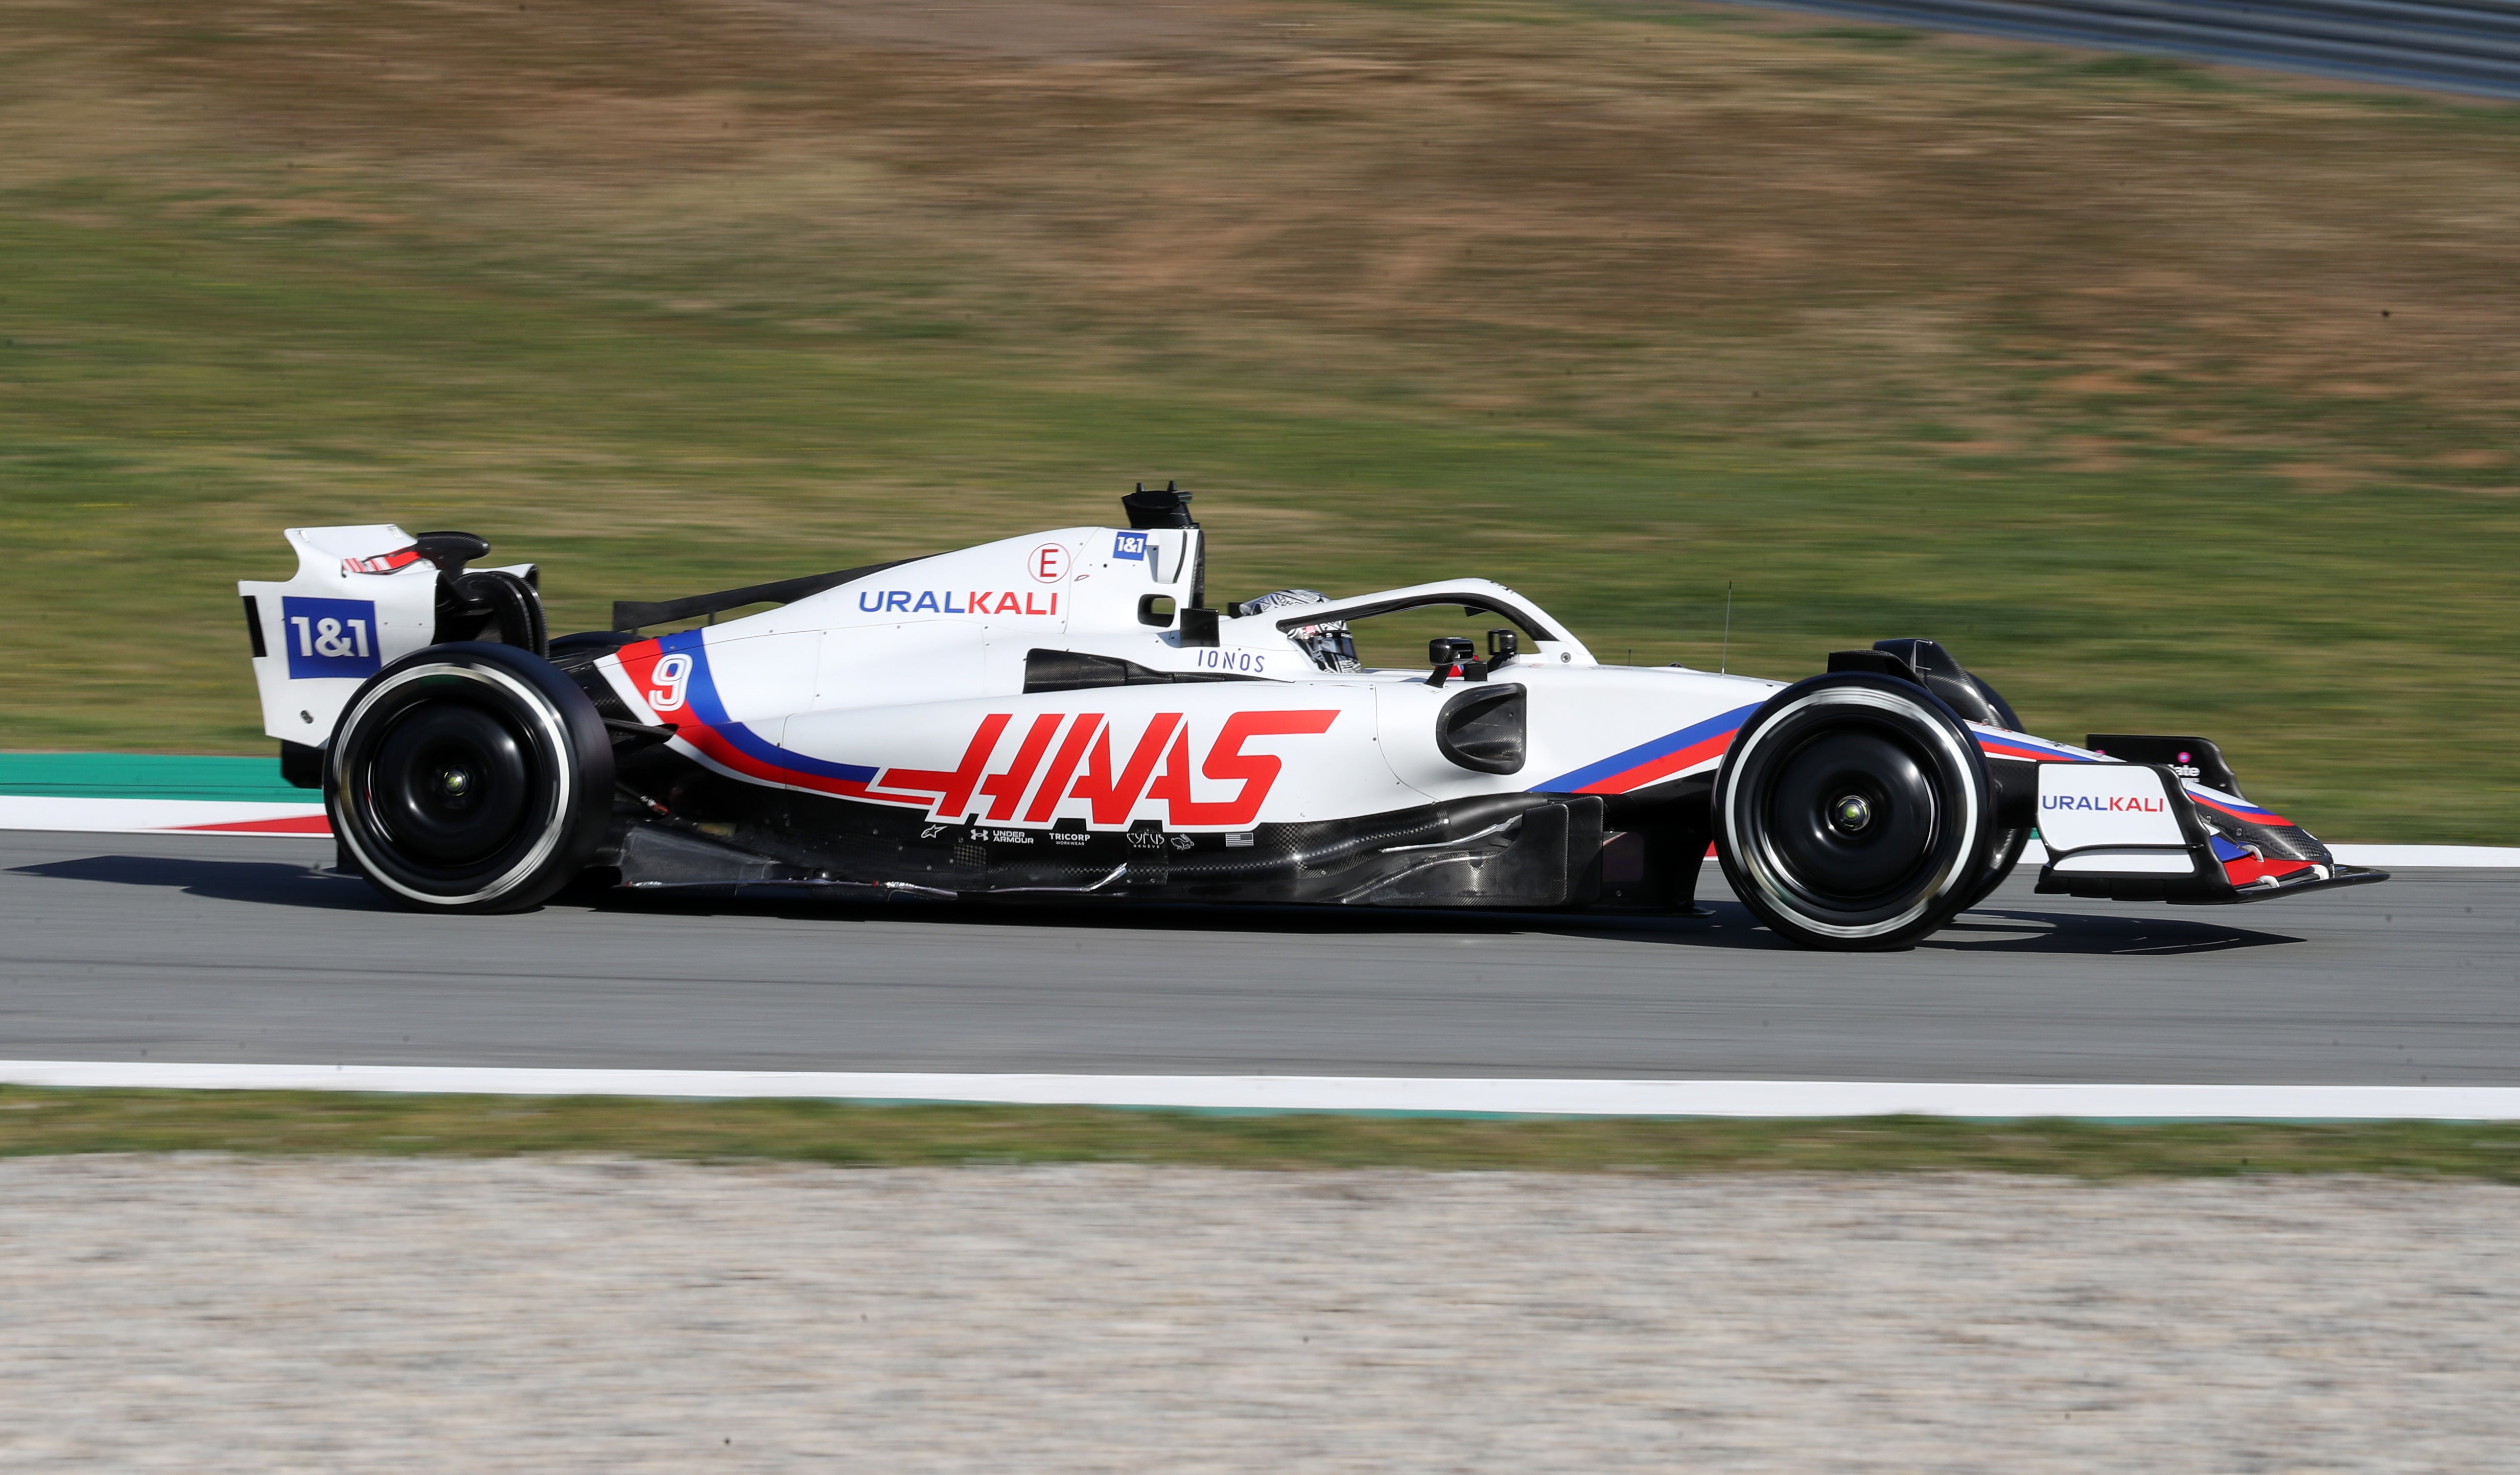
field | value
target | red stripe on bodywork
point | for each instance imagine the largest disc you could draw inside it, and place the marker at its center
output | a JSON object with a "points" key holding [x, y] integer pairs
{"points": [[2250, 812], [1661, 767], [1998, 748], [714, 745], [2250, 868]]}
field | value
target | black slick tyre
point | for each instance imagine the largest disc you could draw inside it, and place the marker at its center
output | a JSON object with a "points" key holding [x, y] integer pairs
{"points": [[1853, 812], [469, 777], [2002, 857]]}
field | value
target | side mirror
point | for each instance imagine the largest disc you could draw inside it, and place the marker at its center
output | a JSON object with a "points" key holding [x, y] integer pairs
{"points": [[1454, 656]]}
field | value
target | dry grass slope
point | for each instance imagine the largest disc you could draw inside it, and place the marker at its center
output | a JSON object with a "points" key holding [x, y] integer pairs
{"points": [[2169, 401]]}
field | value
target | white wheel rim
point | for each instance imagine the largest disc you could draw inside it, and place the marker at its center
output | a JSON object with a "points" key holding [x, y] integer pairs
{"points": [[553, 732], [1762, 867]]}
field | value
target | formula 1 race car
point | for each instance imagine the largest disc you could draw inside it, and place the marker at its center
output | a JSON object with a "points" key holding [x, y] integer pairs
{"points": [[1064, 716]]}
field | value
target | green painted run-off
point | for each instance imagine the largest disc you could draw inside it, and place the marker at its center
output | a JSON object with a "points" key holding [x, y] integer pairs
{"points": [[148, 775]]}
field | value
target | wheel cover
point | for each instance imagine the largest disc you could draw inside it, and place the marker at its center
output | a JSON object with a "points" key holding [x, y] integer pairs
{"points": [[449, 783], [1851, 815], [452, 783], [1851, 811]]}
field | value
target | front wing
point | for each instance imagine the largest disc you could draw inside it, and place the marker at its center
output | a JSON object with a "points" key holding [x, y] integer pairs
{"points": [[2143, 832]]}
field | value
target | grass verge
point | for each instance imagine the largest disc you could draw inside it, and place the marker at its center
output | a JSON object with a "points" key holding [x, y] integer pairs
{"points": [[40, 1122], [2171, 403]]}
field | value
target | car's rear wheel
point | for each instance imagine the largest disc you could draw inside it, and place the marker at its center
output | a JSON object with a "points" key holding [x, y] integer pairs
{"points": [[1852, 812], [469, 777]]}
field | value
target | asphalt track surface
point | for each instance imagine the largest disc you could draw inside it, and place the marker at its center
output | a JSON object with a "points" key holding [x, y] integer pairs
{"points": [[196, 949]]}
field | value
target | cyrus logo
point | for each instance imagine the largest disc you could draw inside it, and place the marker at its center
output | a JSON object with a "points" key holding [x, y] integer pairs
{"points": [[1066, 764], [2114, 803], [1129, 545], [944, 602]]}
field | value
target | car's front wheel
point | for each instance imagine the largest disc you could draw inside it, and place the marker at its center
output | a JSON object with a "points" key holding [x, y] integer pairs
{"points": [[2001, 857], [1852, 812], [469, 777]]}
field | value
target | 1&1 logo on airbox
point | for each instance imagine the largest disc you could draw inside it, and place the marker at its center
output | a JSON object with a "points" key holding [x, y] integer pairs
{"points": [[1129, 545], [330, 637]]}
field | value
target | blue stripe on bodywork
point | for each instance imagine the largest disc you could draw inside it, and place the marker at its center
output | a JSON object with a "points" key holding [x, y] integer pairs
{"points": [[702, 697], [1647, 752]]}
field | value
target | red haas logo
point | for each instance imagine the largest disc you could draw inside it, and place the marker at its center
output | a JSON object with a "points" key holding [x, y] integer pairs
{"points": [[1087, 768]]}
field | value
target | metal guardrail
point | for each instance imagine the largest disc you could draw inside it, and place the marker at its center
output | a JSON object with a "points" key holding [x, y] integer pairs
{"points": [[2472, 46]]}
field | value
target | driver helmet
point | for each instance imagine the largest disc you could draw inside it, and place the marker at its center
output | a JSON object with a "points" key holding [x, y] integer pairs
{"points": [[1329, 643]]}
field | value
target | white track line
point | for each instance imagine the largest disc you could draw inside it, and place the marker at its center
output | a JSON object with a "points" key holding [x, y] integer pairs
{"points": [[1345, 1093], [27, 811], [179, 816]]}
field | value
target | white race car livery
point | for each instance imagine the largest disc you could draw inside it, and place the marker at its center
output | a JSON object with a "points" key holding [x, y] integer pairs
{"points": [[1065, 714]]}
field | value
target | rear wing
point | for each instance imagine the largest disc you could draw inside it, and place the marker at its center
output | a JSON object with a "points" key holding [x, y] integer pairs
{"points": [[363, 597]]}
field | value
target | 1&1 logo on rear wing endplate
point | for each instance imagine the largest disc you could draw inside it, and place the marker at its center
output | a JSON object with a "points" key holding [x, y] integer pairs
{"points": [[330, 637]]}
